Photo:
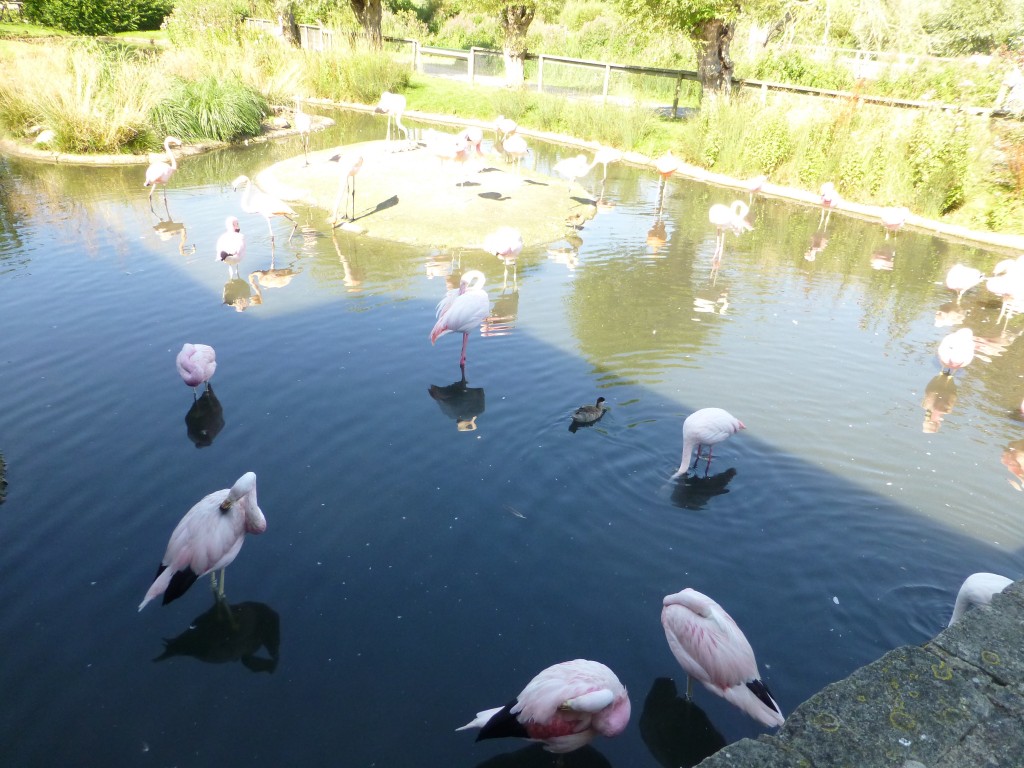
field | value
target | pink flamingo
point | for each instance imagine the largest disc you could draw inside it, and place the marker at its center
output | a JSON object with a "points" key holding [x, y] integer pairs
{"points": [[709, 645], [350, 164], [503, 128], [573, 168], [304, 125], [196, 364], [160, 172], [893, 220], [956, 350], [605, 155], [708, 426], [564, 707], [666, 165], [231, 245], [255, 201], [829, 200], [392, 105], [1007, 282], [515, 150], [962, 278], [208, 539], [462, 309], [506, 243], [725, 217], [977, 589]]}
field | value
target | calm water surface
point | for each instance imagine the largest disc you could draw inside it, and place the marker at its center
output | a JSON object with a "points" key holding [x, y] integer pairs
{"points": [[412, 573]]}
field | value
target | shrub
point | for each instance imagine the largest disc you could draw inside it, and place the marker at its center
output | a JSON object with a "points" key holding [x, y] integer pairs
{"points": [[216, 107], [359, 75], [792, 66]]}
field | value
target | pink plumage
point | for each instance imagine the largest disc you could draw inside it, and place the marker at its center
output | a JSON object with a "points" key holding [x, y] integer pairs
{"points": [[563, 707], [961, 278], [709, 645], [957, 350], [462, 309], [208, 538], [196, 363], [231, 244], [666, 165], [160, 172], [708, 426]]}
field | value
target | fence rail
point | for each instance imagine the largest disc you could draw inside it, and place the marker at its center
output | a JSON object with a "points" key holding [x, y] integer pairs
{"points": [[464, 64]]}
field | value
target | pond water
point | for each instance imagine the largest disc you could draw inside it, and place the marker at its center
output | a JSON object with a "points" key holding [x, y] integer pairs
{"points": [[411, 573]]}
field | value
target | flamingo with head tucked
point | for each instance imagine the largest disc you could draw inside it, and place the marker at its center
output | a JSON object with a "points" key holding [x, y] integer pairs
{"points": [[196, 364], [515, 149], [208, 539], [160, 172], [956, 350], [710, 646], [961, 278], [462, 309], [564, 707]]}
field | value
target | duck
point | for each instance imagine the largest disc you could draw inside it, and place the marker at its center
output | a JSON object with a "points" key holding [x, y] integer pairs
{"points": [[589, 414]]}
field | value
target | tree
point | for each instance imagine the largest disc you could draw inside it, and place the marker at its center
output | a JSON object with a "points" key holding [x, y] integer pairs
{"points": [[369, 13], [515, 17], [710, 26]]}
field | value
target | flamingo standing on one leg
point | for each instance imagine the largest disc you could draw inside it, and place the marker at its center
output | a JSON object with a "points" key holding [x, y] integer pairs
{"points": [[728, 217], [976, 590], [255, 201], [208, 539], [829, 200], [350, 164], [956, 350], [393, 105], [564, 707], [231, 245], [462, 309], [196, 364], [304, 125], [961, 279], [893, 220], [573, 168], [709, 645], [708, 426], [160, 172], [503, 128], [515, 150], [665, 165], [506, 243]]}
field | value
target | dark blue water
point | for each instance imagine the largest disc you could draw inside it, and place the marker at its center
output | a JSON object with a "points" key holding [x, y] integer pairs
{"points": [[411, 573]]}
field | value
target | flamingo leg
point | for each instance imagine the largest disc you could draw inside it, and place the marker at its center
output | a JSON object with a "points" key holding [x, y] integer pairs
{"points": [[465, 342]]}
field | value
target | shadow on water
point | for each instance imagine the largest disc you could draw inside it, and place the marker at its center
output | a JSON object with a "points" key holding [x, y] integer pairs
{"points": [[675, 730], [693, 491], [226, 633], [535, 756], [205, 419]]}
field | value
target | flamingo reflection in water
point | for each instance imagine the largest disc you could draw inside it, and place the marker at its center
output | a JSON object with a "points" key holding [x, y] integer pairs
{"points": [[565, 706], [237, 293], [460, 402], [226, 633], [168, 229], [207, 539], [462, 310], [205, 419], [818, 242], [710, 646], [949, 314], [939, 398], [506, 243], [677, 732], [502, 317], [1013, 460]]}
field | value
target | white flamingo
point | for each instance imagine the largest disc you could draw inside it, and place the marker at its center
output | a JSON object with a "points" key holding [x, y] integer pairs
{"points": [[393, 105], [231, 245], [267, 206], [462, 309], [708, 426]]}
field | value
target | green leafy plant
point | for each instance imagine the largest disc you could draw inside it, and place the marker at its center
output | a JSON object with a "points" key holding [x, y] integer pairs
{"points": [[218, 108]]}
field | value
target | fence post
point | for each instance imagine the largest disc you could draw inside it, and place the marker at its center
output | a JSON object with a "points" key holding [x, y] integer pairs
{"points": [[540, 73], [675, 97], [607, 79], [764, 94], [470, 65], [417, 61]]}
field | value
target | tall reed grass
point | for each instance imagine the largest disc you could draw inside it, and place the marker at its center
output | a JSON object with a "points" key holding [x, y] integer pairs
{"points": [[219, 108]]}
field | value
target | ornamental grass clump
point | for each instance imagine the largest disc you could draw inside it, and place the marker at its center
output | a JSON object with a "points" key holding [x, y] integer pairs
{"points": [[218, 108], [355, 74]]}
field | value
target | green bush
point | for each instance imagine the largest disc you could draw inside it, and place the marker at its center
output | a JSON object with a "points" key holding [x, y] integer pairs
{"points": [[794, 67], [216, 107], [194, 21], [356, 75]]}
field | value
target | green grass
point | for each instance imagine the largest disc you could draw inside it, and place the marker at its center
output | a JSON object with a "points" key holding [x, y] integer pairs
{"points": [[218, 108]]}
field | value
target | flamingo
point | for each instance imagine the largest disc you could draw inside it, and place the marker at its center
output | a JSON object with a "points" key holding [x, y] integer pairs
{"points": [[503, 128], [728, 217], [563, 707], [893, 220], [956, 350], [474, 138], [976, 590], [708, 426], [829, 200], [589, 414], [711, 647], [462, 309], [573, 168], [1007, 282], [506, 243], [755, 185], [231, 245], [255, 201], [350, 164], [392, 105], [208, 539], [605, 155], [160, 172], [196, 364], [962, 278], [304, 125], [515, 149], [666, 165]]}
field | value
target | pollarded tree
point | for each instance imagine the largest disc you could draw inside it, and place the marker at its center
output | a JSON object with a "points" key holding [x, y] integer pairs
{"points": [[515, 17], [710, 26], [369, 14]]}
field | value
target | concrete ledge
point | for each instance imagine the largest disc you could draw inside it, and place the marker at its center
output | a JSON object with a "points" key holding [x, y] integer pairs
{"points": [[954, 702]]}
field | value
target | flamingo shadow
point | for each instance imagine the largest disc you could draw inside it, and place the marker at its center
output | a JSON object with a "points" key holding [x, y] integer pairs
{"points": [[205, 419], [694, 492], [226, 633], [676, 731], [535, 756]]}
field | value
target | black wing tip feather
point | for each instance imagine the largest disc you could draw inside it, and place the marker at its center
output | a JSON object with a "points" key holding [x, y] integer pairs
{"points": [[180, 582], [760, 690], [503, 724]]}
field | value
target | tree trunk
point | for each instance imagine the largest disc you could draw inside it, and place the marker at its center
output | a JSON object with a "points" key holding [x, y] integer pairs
{"points": [[714, 67], [286, 17], [369, 13], [515, 21]]}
